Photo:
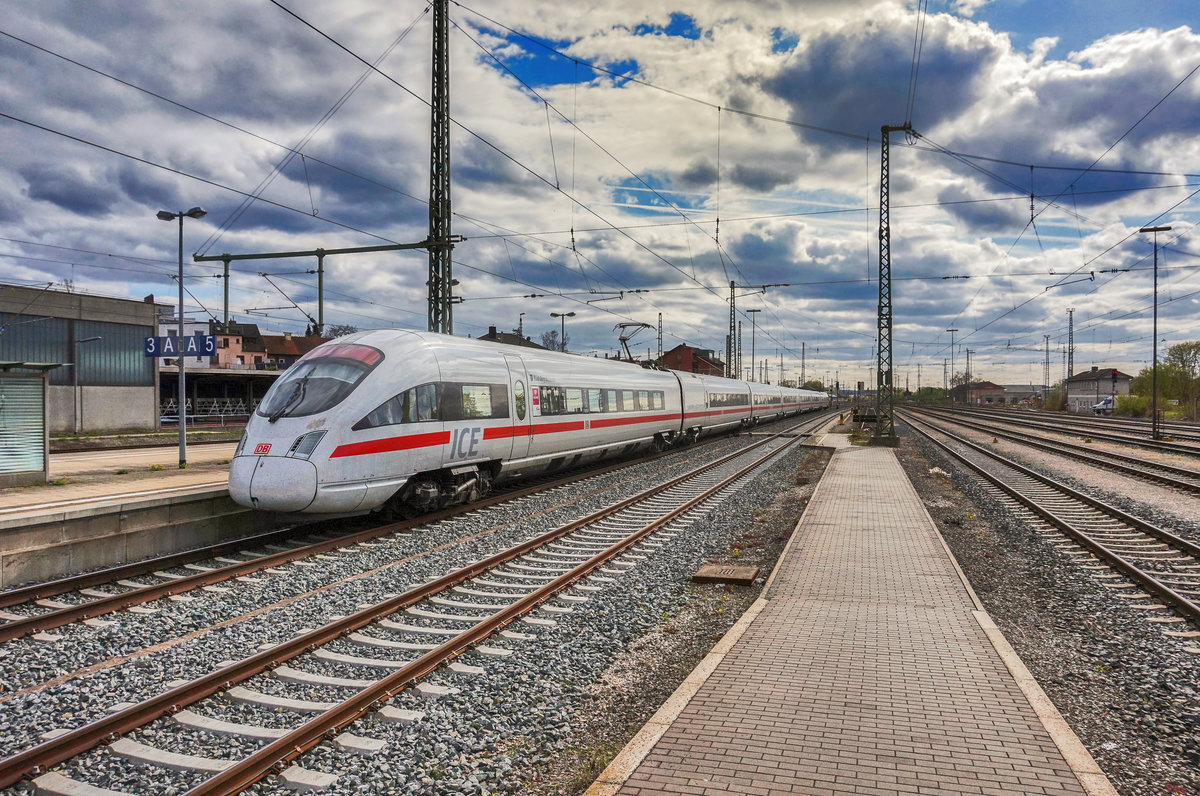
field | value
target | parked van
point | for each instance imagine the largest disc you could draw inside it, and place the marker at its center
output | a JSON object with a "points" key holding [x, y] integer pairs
{"points": [[1105, 406]]}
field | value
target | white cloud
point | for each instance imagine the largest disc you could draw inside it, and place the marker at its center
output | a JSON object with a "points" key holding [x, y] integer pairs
{"points": [[794, 204]]}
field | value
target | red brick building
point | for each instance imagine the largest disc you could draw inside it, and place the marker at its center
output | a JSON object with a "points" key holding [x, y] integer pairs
{"points": [[693, 360]]}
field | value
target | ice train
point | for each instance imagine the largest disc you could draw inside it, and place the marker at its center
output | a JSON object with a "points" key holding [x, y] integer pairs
{"points": [[409, 421]]}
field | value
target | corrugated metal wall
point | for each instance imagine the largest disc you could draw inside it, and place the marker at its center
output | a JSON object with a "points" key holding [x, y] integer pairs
{"points": [[22, 424], [116, 360]]}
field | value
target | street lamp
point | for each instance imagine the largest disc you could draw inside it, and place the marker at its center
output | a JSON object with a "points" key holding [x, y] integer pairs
{"points": [[163, 215], [75, 384], [753, 327], [562, 332], [1154, 429]]}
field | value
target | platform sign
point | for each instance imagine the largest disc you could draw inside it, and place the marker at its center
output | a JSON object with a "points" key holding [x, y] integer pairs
{"points": [[200, 345]]}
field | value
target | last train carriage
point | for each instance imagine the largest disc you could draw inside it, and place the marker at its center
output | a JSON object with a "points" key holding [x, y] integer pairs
{"points": [[411, 421]]}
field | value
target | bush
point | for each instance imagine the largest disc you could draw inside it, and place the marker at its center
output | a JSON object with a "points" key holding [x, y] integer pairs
{"points": [[1132, 406]]}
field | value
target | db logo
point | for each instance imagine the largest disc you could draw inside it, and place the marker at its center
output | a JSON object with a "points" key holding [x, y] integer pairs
{"points": [[262, 448]]}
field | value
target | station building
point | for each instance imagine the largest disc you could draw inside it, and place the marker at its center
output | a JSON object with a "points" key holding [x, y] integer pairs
{"points": [[693, 360], [1086, 389], [103, 381], [978, 393], [115, 386]]}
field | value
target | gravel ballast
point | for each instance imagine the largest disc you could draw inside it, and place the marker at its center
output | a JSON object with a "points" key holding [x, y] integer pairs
{"points": [[497, 743], [1129, 691]]}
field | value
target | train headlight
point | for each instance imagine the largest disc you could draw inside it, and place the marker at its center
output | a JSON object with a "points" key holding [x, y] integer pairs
{"points": [[305, 444]]}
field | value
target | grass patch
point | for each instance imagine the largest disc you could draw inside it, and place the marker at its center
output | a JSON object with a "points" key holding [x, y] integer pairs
{"points": [[154, 468], [590, 763]]}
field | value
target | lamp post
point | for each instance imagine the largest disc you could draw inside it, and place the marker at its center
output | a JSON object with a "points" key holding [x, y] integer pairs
{"points": [[75, 384], [163, 215], [1154, 428], [753, 327], [562, 331]]}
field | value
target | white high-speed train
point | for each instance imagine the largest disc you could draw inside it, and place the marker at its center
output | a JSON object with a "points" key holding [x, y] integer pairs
{"points": [[411, 421]]}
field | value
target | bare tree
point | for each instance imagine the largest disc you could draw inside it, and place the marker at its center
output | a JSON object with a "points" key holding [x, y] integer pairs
{"points": [[338, 330], [551, 342]]}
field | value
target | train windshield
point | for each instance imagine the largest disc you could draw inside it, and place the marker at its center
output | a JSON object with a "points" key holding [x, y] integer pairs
{"points": [[319, 381]]}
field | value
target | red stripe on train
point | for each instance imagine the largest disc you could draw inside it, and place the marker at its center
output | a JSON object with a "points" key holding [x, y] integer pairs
{"points": [[390, 444]]}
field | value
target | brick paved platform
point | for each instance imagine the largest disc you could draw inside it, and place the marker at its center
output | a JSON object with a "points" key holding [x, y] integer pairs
{"points": [[869, 668]]}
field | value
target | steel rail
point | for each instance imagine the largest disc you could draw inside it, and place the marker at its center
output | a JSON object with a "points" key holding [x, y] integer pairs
{"points": [[58, 617], [1111, 461], [1139, 442], [37, 759], [281, 751], [1135, 573]]}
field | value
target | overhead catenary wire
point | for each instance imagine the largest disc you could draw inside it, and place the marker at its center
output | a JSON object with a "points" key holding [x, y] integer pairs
{"points": [[573, 205]]}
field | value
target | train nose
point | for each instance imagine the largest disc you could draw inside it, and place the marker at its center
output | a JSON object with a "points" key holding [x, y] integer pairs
{"points": [[273, 483]]}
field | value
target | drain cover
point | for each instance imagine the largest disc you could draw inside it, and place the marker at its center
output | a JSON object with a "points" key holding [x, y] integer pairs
{"points": [[726, 573]]}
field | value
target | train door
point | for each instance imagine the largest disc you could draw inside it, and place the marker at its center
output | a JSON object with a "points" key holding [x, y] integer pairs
{"points": [[522, 416]]}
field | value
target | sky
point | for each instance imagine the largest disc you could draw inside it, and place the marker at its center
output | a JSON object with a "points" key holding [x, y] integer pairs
{"points": [[628, 159]]}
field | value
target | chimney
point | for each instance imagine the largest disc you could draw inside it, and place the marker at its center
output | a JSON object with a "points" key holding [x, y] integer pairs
{"points": [[287, 336], [1095, 368], [492, 332], [149, 299]]}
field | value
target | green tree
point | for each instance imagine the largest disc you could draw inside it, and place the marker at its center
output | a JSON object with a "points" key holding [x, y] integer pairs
{"points": [[1186, 357], [814, 384]]}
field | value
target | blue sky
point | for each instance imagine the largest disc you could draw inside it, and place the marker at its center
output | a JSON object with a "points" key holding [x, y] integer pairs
{"points": [[590, 182], [1078, 23]]}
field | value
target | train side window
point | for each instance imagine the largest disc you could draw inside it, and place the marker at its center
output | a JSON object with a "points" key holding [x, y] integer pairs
{"points": [[519, 398], [611, 402], [476, 401], [593, 400], [427, 402], [627, 404], [574, 400], [659, 400], [391, 412], [643, 399], [499, 400], [552, 401]]}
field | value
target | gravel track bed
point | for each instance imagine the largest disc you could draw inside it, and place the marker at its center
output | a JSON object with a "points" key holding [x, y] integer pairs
{"points": [[1078, 436], [504, 731], [1172, 509], [1129, 692], [26, 663]]}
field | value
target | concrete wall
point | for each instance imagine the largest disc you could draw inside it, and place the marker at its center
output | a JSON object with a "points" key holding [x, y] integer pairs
{"points": [[71, 541], [104, 408]]}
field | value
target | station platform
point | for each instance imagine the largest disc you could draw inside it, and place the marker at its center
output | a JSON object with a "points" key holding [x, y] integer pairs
{"points": [[868, 667], [111, 507], [104, 477]]}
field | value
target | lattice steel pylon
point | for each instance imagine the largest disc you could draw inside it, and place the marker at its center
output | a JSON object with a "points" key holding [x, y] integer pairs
{"points": [[885, 424], [441, 279]]}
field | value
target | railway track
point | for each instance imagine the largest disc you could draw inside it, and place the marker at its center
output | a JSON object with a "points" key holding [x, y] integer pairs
{"points": [[1182, 478], [1066, 424], [1123, 551], [41, 607], [441, 620]]}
